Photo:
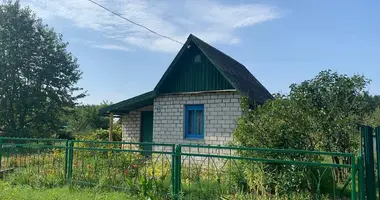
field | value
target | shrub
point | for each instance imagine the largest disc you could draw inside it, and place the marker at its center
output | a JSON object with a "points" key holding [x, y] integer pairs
{"points": [[278, 124], [100, 134]]}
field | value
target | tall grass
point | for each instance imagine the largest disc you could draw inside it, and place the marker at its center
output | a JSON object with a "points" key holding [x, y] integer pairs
{"points": [[26, 192]]}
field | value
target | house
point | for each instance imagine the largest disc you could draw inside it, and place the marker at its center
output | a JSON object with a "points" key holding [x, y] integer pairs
{"points": [[197, 99]]}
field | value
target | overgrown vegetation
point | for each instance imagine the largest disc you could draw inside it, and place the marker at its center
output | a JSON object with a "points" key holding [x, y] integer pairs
{"points": [[100, 134], [130, 173], [25, 192], [86, 118], [373, 119], [84, 122], [11, 192], [319, 114]]}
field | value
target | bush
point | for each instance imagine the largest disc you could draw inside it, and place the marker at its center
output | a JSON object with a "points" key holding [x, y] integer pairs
{"points": [[373, 119], [282, 124], [278, 124], [101, 134]]}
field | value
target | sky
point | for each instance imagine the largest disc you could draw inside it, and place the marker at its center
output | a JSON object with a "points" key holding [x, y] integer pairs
{"points": [[280, 42]]}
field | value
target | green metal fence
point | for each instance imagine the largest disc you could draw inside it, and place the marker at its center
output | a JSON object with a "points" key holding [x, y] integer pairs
{"points": [[217, 171], [123, 166], [38, 156], [187, 171]]}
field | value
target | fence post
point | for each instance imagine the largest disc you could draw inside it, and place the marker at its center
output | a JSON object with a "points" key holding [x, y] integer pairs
{"points": [[377, 130], [70, 161], [177, 172], [66, 157], [173, 179], [1, 152], [370, 191], [360, 176], [353, 177]]}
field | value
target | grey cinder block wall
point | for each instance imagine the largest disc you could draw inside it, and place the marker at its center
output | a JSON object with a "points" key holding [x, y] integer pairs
{"points": [[130, 127], [221, 111]]}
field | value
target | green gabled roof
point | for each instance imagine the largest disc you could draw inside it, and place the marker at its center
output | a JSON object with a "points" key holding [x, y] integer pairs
{"points": [[236, 73], [128, 105]]}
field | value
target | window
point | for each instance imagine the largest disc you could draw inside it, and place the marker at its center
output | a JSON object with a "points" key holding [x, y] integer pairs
{"points": [[194, 121], [197, 59]]}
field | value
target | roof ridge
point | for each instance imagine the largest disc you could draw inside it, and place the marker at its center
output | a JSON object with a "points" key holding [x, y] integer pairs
{"points": [[195, 37]]}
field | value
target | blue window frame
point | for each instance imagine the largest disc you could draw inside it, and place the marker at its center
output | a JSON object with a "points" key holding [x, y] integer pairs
{"points": [[194, 121]]}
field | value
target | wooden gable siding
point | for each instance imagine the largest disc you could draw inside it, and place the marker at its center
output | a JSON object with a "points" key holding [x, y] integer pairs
{"points": [[191, 76]]}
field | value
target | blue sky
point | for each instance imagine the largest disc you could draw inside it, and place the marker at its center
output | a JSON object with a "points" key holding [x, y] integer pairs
{"points": [[280, 42]]}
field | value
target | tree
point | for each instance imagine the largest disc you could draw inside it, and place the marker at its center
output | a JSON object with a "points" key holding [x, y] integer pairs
{"points": [[325, 110], [279, 123], [371, 103], [374, 118], [336, 102], [319, 114], [37, 74], [85, 118]]}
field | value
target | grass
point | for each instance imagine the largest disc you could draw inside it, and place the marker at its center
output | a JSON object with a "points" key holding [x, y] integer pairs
{"points": [[23, 192], [11, 192]]}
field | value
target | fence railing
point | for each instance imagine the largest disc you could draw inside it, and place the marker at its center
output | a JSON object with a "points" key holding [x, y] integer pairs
{"points": [[232, 172], [34, 155], [187, 171], [122, 165]]}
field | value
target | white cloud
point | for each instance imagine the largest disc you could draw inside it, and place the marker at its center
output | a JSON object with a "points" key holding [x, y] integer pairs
{"points": [[212, 21], [111, 47]]}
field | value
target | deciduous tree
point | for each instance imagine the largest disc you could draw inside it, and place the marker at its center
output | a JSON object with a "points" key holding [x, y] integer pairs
{"points": [[38, 76]]}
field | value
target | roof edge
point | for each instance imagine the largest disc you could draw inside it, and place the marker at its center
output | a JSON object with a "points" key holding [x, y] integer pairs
{"points": [[175, 60], [117, 107]]}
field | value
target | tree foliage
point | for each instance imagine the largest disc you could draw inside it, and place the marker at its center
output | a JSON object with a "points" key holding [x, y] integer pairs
{"points": [[83, 118], [336, 102], [101, 134], [373, 119], [279, 123], [37, 74], [318, 114], [372, 102]]}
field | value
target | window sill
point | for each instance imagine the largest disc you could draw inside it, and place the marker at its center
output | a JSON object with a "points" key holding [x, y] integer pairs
{"points": [[193, 138]]}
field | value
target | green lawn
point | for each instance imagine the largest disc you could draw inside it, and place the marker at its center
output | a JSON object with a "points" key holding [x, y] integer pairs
{"points": [[11, 192]]}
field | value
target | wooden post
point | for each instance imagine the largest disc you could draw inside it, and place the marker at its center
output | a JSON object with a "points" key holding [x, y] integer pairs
{"points": [[111, 126]]}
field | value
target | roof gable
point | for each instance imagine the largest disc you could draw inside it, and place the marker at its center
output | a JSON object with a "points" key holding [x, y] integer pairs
{"points": [[193, 72], [234, 72]]}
